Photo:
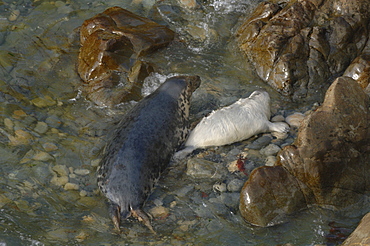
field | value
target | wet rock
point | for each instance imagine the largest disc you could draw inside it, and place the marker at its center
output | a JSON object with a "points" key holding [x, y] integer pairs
{"points": [[235, 185], [260, 142], [8, 123], [14, 14], [269, 194], [295, 119], [82, 172], [331, 154], [42, 102], [61, 170], [48, 147], [71, 186], [42, 156], [296, 47], [361, 236], [359, 70], [200, 168], [159, 212], [113, 43], [270, 149], [270, 161], [21, 138], [219, 187], [59, 181], [41, 127]]}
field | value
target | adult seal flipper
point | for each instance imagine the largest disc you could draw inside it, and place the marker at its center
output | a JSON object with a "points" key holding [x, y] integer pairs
{"points": [[142, 146]]}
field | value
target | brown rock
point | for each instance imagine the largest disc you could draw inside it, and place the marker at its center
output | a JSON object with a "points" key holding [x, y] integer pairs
{"points": [[359, 70], [299, 47], [109, 61], [269, 194], [361, 236], [331, 154]]}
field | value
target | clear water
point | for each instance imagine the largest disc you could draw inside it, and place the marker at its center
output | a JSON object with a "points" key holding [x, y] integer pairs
{"points": [[38, 54]]}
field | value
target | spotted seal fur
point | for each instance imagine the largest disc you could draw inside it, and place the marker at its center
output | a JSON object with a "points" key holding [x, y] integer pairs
{"points": [[239, 121], [142, 146]]}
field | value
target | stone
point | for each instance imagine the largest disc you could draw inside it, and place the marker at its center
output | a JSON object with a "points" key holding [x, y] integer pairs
{"points": [[219, 187], [159, 212], [269, 195], [331, 154], [359, 70], [43, 102], [298, 46], [235, 185], [270, 149], [61, 170], [8, 123], [200, 168], [59, 181], [21, 138], [41, 127], [71, 186], [112, 44], [42, 156], [48, 147], [14, 14], [82, 172], [295, 119], [361, 235]]}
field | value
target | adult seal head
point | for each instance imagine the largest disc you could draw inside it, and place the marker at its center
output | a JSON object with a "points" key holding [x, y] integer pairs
{"points": [[142, 145], [243, 119]]}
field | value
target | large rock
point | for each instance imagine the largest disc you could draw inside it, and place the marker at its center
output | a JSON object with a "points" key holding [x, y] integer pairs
{"points": [[361, 236], [359, 70], [112, 45], [270, 194], [296, 48], [328, 164]]}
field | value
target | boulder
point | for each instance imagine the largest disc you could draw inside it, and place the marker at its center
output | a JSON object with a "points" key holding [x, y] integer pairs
{"points": [[361, 236], [328, 164], [298, 46], [110, 59]]}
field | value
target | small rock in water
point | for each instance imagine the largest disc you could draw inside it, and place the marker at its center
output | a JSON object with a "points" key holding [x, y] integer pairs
{"points": [[41, 127], [47, 101], [295, 119], [82, 172], [8, 123], [48, 147], [200, 168], [159, 211], [270, 161], [260, 142], [61, 170], [42, 156], [235, 185], [83, 193], [21, 138], [71, 186], [95, 162], [14, 14], [59, 181], [270, 149]]}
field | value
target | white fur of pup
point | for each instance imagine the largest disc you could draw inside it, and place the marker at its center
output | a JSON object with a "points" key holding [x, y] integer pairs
{"points": [[243, 119]]}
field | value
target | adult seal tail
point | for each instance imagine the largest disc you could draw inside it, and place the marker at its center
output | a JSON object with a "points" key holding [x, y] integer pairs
{"points": [[142, 146]]}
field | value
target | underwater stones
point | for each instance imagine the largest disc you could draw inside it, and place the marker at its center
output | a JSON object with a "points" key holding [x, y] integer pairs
{"points": [[361, 235], [112, 44], [297, 47], [270, 194]]}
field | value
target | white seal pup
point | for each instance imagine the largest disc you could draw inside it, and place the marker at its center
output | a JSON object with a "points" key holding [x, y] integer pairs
{"points": [[243, 119]]}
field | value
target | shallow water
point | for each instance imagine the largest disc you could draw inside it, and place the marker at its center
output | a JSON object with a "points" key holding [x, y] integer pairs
{"points": [[47, 124]]}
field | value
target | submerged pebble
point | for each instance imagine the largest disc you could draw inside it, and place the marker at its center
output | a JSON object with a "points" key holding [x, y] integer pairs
{"points": [[42, 156], [41, 127], [235, 185], [270, 149], [159, 211], [14, 14], [71, 186]]}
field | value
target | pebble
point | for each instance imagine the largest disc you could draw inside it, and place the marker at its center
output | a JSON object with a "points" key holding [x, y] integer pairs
{"points": [[71, 186], [59, 181], [95, 162], [219, 187], [46, 101], [17, 114], [21, 138], [270, 161], [82, 172], [159, 211], [83, 193], [41, 127], [270, 149], [14, 14], [8, 123], [277, 118], [261, 142], [235, 185], [4, 200], [53, 121], [232, 166], [42, 156], [48, 147], [61, 170], [295, 119], [200, 168], [230, 199]]}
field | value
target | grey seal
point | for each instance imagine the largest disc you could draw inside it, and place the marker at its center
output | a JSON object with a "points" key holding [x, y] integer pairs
{"points": [[142, 146]]}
